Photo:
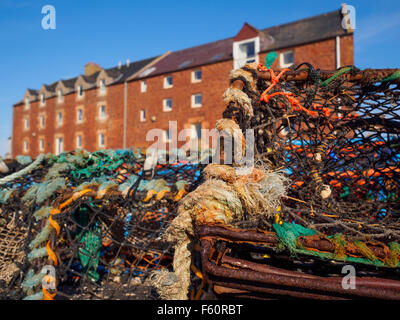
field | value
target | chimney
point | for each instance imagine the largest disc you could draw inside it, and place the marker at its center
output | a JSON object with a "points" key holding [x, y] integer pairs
{"points": [[91, 68], [119, 64], [128, 62]]}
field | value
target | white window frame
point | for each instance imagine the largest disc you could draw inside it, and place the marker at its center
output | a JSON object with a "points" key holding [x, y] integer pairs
{"points": [[102, 137], [165, 105], [80, 91], [26, 123], [102, 114], [60, 119], [27, 103], [42, 99], [281, 59], [166, 84], [42, 121], [59, 145], [165, 135], [60, 98], [103, 86], [41, 144], [194, 104], [142, 115], [143, 86], [77, 115], [194, 80], [79, 141], [26, 145], [193, 131], [238, 60]]}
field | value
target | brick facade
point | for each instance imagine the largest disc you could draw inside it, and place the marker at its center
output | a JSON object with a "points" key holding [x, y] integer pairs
{"points": [[215, 80]]}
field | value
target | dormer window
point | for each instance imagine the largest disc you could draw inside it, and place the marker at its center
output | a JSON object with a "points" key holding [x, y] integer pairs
{"points": [[167, 82], [80, 91], [245, 51], [27, 103], [42, 99], [60, 96], [102, 86]]}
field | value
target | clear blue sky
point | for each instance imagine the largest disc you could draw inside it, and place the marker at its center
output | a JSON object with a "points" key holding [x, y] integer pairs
{"points": [[109, 31]]}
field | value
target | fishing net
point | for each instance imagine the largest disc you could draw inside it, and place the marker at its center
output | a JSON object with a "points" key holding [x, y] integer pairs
{"points": [[324, 193], [88, 225], [335, 135]]}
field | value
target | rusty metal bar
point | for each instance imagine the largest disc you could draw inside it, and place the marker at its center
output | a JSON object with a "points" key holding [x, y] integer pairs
{"points": [[274, 291], [237, 235], [369, 288], [270, 238], [371, 75]]}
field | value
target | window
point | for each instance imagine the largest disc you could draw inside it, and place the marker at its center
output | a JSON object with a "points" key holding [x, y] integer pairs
{"points": [[245, 51], [27, 103], [102, 112], [59, 145], [102, 86], [196, 76], [196, 131], [60, 118], [168, 82], [26, 145], [41, 121], [60, 96], [143, 86], [167, 105], [41, 144], [101, 140], [80, 91], [79, 115], [79, 141], [26, 123], [142, 115], [286, 59], [249, 51], [42, 99], [167, 135], [197, 100]]}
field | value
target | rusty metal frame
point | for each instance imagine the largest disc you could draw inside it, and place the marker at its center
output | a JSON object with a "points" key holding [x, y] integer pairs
{"points": [[238, 277]]}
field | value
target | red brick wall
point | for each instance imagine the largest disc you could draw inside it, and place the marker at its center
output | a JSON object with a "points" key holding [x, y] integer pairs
{"points": [[215, 80]]}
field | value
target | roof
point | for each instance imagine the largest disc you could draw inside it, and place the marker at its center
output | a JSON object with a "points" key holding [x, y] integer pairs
{"points": [[203, 54], [308, 30], [303, 31], [118, 73]]}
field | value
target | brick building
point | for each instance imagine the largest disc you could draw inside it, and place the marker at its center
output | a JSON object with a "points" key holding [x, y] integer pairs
{"points": [[115, 108]]}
